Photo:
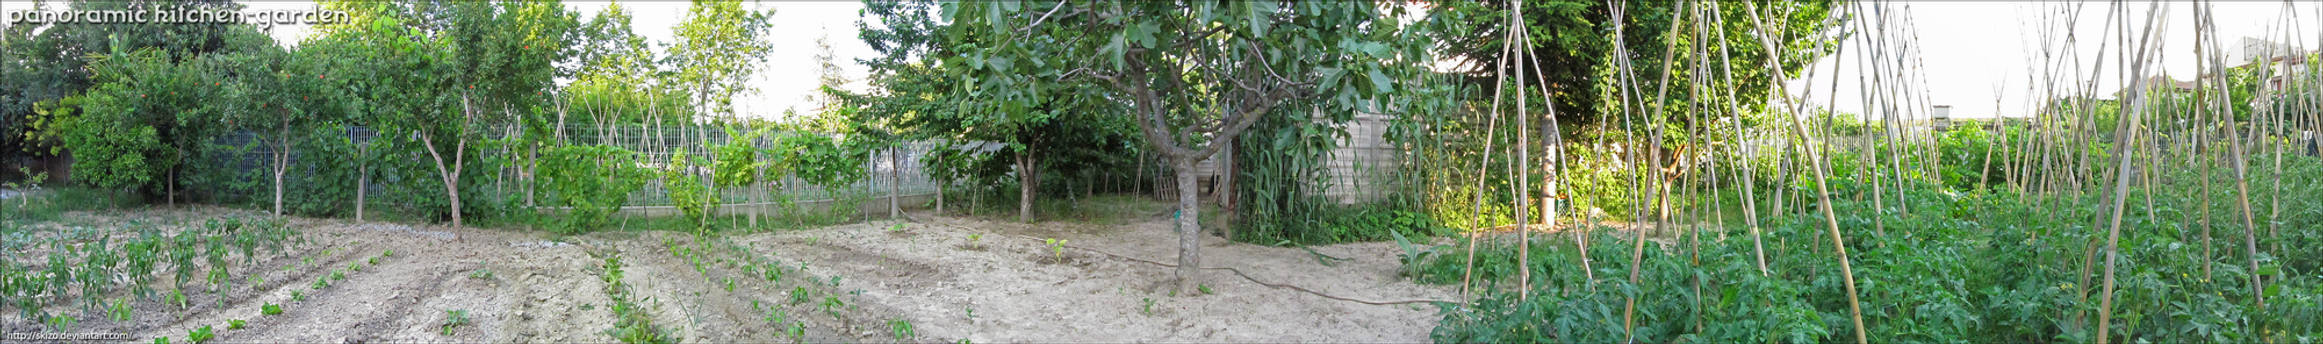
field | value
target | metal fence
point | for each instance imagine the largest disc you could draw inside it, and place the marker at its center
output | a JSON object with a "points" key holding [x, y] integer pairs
{"points": [[241, 154]]}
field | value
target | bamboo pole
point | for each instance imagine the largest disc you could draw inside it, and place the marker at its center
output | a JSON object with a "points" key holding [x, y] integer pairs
{"points": [[1524, 271], [2206, 27], [1749, 184], [1491, 129], [1655, 190], [2125, 138], [1822, 188]]}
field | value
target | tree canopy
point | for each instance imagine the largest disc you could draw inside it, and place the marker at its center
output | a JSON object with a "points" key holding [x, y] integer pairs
{"points": [[1191, 74], [1571, 52]]}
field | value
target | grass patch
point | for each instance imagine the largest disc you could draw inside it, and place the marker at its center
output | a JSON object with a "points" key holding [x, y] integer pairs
{"points": [[50, 204]]}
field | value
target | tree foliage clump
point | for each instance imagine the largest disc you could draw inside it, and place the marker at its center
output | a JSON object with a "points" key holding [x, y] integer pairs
{"points": [[592, 180], [1194, 75]]}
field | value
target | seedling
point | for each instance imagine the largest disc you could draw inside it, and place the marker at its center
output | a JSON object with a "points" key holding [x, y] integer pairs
{"points": [[270, 309], [178, 296], [902, 330], [975, 240], [372, 261], [296, 295], [321, 282], [798, 296], [481, 273], [897, 228], [1057, 248], [831, 304], [355, 266], [388, 253], [234, 324], [1205, 288], [161, 340], [454, 318], [1149, 306], [729, 284], [60, 322], [120, 311], [338, 275], [200, 335]]}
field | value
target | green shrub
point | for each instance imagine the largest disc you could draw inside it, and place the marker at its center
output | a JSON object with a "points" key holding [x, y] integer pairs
{"points": [[688, 192], [1330, 224], [592, 180]]}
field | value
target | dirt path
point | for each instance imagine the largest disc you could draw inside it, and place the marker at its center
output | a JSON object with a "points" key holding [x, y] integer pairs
{"points": [[874, 282], [1010, 288]]}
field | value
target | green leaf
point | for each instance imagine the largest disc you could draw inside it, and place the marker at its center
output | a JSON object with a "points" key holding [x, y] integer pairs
{"points": [[1376, 49], [1142, 34], [1115, 51], [1380, 83], [1331, 75], [1259, 20], [999, 64]]}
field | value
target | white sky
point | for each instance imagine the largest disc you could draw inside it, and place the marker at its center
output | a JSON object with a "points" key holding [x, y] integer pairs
{"points": [[1968, 48]]}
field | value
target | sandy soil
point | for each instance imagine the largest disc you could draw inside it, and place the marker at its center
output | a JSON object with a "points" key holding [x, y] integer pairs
{"points": [[853, 283], [1018, 292]]}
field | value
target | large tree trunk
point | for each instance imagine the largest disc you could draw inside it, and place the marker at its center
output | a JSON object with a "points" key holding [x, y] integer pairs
{"points": [[450, 175], [1025, 186], [1189, 225], [452, 186]]}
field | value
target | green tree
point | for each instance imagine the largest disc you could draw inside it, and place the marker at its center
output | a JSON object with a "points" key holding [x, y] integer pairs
{"points": [[1190, 72], [283, 94], [934, 101], [446, 71], [143, 118], [614, 78], [44, 63], [720, 44], [1571, 47], [402, 76]]}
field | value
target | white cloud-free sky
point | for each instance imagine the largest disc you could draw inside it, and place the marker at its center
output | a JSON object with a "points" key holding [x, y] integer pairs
{"points": [[1970, 48], [1975, 56]]}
